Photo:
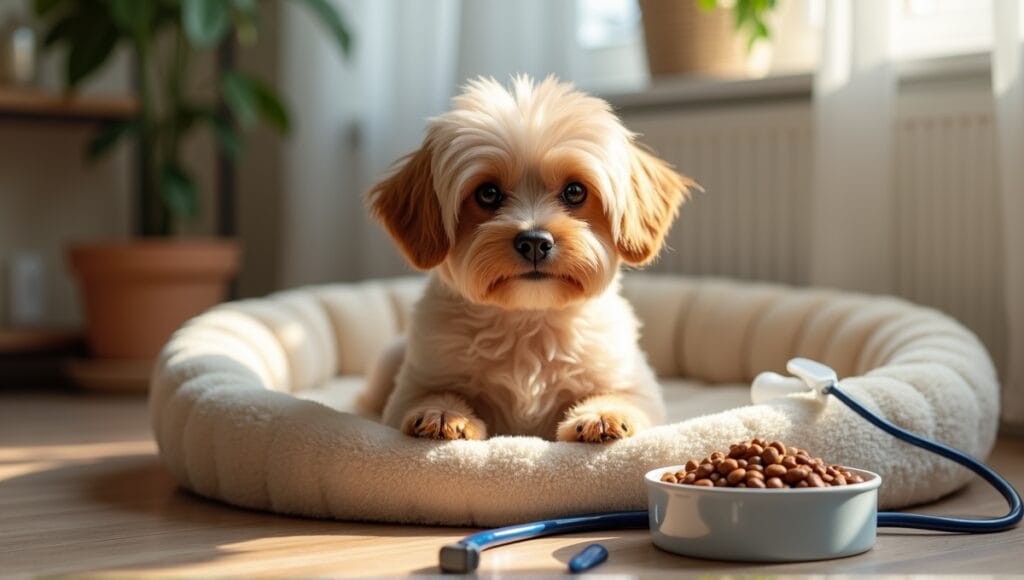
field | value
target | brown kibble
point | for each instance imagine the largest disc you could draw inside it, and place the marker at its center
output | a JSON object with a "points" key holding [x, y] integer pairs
{"points": [[757, 464], [737, 475], [797, 474]]}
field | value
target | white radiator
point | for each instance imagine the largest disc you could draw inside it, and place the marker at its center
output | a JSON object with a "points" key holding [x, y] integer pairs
{"points": [[755, 162], [948, 230], [755, 166]]}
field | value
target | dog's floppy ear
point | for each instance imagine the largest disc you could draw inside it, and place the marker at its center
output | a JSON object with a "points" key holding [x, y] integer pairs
{"points": [[656, 193], [407, 205]]}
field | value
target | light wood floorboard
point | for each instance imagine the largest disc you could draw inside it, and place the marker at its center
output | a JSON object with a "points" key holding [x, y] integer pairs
{"points": [[82, 491]]}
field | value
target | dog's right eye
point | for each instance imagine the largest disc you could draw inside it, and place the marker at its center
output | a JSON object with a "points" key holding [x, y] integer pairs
{"points": [[489, 196]]}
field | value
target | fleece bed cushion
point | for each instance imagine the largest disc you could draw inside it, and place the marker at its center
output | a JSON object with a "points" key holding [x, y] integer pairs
{"points": [[250, 403]]}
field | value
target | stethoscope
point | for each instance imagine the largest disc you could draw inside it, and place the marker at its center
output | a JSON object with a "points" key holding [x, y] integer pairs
{"points": [[809, 376]]}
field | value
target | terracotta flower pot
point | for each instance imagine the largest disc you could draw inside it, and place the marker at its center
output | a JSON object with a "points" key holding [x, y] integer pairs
{"points": [[683, 39], [135, 294]]}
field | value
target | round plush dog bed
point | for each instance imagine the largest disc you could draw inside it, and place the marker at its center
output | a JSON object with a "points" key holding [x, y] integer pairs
{"points": [[250, 403]]}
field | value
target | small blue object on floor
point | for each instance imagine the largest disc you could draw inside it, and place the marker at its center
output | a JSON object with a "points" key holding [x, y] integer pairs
{"points": [[591, 556], [809, 376]]}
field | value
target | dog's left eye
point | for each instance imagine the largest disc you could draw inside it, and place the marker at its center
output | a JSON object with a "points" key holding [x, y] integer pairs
{"points": [[488, 196], [574, 194]]}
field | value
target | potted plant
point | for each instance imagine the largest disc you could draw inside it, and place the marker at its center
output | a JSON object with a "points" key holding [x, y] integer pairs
{"points": [[698, 37], [137, 292]]}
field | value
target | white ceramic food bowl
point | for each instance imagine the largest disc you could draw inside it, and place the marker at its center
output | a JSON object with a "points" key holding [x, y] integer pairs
{"points": [[763, 525]]}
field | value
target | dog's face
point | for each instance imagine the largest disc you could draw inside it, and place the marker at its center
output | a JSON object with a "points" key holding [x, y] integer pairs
{"points": [[529, 199]]}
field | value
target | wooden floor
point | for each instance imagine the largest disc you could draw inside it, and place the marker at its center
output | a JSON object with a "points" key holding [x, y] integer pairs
{"points": [[82, 491]]}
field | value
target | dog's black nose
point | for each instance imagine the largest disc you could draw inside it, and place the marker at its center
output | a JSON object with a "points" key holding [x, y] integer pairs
{"points": [[534, 245]]}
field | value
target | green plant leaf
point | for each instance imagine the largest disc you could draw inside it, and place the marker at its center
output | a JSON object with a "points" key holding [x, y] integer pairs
{"points": [[60, 31], [250, 100], [223, 130], [134, 16], [742, 12], [44, 7], [205, 21], [332, 19], [247, 7], [108, 136], [227, 136], [246, 17], [707, 5], [239, 99], [178, 192], [92, 40]]}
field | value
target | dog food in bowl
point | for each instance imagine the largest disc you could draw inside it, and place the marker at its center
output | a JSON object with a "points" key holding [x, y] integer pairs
{"points": [[761, 465], [715, 508]]}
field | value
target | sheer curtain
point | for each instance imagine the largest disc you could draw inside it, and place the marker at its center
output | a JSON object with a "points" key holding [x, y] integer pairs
{"points": [[353, 121], [854, 92], [854, 111], [1008, 92]]}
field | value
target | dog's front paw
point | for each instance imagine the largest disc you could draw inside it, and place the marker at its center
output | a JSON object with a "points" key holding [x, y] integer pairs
{"points": [[434, 423], [596, 427]]}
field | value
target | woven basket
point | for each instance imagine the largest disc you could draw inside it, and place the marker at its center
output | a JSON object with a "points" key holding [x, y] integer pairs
{"points": [[682, 39]]}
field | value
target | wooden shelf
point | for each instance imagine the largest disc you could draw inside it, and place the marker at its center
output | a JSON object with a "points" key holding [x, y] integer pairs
{"points": [[32, 341], [36, 104]]}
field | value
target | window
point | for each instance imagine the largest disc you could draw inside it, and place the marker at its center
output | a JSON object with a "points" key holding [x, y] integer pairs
{"points": [[933, 28], [605, 23]]}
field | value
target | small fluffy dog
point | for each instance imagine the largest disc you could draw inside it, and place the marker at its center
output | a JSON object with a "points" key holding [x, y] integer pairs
{"points": [[523, 203]]}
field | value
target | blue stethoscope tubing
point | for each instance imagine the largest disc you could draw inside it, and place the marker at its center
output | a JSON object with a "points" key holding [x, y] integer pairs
{"points": [[639, 519], [940, 523]]}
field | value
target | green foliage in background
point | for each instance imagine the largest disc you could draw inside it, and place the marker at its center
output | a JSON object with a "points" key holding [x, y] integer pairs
{"points": [[751, 16], [164, 37]]}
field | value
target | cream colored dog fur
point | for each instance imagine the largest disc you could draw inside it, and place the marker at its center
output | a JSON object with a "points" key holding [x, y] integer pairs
{"points": [[524, 203]]}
